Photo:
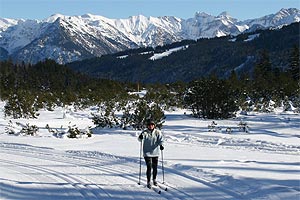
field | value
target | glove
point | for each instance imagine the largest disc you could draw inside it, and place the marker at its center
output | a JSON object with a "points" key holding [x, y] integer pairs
{"points": [[141, 136], [161, 147]]}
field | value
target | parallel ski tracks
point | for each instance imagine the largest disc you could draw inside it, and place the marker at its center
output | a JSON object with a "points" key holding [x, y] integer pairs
{"points": [[93, 163], [76, 161], [85, 189]]}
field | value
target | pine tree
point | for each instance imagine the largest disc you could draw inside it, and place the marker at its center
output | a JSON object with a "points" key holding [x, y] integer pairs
{"points": [[211, 98], [263, 67], [144, 112], [294, 68], [21, 104]]}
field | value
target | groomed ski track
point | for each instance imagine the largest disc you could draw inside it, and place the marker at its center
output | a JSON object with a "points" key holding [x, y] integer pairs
{"points": [[45, 173]]}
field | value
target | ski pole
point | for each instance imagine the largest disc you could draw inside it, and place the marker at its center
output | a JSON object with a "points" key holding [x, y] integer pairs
{"points": [[140, 163], [162, 165]]}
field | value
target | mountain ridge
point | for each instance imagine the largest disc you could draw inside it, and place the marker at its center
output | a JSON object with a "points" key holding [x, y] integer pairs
{"points": [[71, 38], [189, 59]]}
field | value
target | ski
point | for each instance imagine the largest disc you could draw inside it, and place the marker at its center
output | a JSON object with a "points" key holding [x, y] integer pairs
{"points": [[162, 186], [156, 189]]}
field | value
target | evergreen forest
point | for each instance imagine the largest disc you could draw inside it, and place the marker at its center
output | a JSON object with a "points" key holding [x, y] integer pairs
{"points": [[28, 88], [197, 59]]}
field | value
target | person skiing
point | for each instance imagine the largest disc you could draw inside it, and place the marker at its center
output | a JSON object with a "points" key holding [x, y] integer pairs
{"points": [[152, 142]]}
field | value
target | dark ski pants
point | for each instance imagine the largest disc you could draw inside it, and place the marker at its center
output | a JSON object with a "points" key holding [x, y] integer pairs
{"points": [[151, 163]]}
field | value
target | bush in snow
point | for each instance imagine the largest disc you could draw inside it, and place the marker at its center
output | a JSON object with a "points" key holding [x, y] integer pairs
{"points": [[29, 130], [287, 104], [297, 102], [144, 112], [12, 128], [263, 105], [71, 132], [101, 120], [107, 117], [74, 132], [134, 116], [126, 119], [168, 96], [21, 129], [21, 104], [56, 132]]}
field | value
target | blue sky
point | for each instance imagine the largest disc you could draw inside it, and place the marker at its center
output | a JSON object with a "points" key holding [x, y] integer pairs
{"points": [[240, 9]]}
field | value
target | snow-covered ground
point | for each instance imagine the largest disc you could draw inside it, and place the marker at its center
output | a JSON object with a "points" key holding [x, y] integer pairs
{"points": [[198, 163], [157, 56]]}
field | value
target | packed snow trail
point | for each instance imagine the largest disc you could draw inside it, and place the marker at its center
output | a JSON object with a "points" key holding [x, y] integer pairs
{"points": [[42, 173], [198, 163]]}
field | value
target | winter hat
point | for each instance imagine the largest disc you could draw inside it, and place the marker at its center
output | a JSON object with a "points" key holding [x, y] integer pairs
{"points": [[150, 122]]}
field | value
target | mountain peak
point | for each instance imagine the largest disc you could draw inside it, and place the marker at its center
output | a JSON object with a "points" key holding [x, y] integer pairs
{"points": [[138, 17], [289, 12], [202, 14], [5, 23], [225, 13], [94, 35], [87, 15], [54, 17]]}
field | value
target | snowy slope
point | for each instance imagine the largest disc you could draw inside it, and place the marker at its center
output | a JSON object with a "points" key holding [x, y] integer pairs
{"points": [[198, 164], [206, 26], [5, 23], [69, 38], [283, 17], [167, 53]]}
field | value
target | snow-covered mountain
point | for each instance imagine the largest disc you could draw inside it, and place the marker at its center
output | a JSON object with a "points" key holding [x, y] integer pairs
{"points": [[70, 38], [283, 17]]}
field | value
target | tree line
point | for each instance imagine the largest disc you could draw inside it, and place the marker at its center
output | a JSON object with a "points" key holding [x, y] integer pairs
{"points": [[27, 88]]}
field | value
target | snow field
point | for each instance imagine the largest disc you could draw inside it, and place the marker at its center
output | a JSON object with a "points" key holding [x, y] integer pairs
{"points": [[198, 163]]}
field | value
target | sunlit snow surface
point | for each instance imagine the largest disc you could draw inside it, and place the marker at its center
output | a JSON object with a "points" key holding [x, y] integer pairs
{"points": [[198, 163]]}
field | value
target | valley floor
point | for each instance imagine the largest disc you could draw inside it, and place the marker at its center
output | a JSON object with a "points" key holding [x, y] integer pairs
{"points": [[198, 163]]}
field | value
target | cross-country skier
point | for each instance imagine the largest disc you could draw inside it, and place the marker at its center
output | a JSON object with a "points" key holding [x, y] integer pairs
{"points": [[152, 142]]}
